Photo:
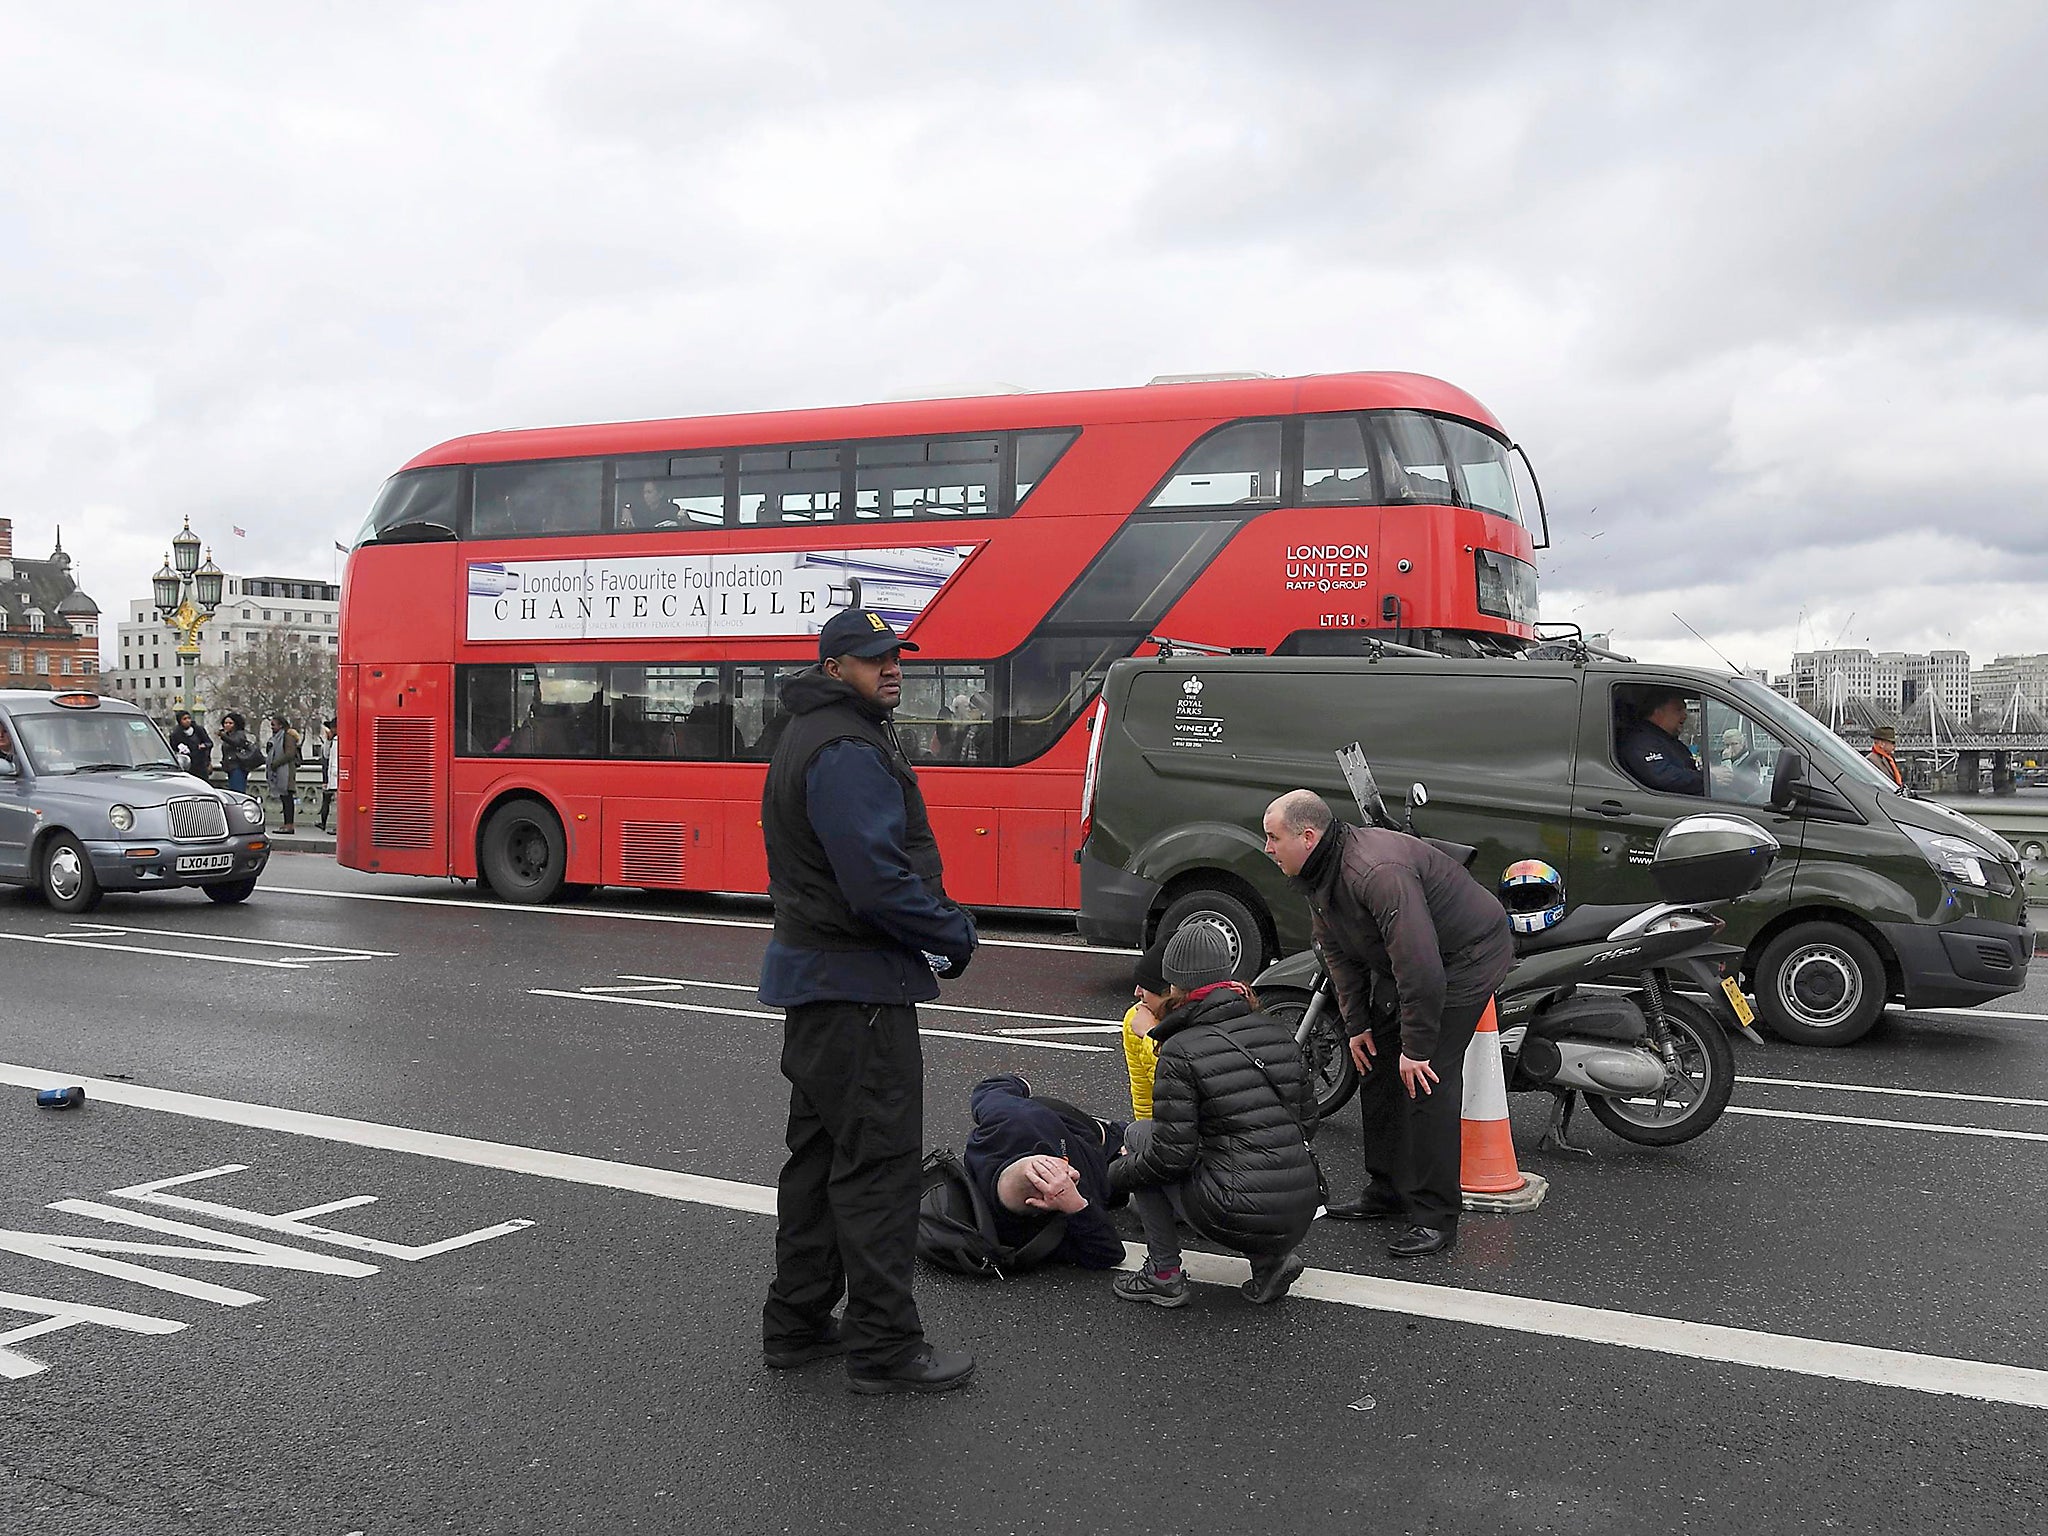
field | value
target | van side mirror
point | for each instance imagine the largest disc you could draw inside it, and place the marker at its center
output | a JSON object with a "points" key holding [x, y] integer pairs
{"points": [[1787, 779]]}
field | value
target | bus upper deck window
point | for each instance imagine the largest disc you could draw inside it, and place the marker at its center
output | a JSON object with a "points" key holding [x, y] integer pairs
{"points": [[1335, 463], [522, 500], [1483, 472], [785, 485], [1415, 466], [1234, 464]]}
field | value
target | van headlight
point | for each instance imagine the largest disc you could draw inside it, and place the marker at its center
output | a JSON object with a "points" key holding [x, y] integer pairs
{"points": [[1957, 858], [252, 812], [122, 817]]}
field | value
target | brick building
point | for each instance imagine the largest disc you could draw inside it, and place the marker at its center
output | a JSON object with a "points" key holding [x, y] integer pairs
{"points": [[49, 628]]}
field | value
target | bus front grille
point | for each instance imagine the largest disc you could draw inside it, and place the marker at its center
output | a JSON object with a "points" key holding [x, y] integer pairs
{"points": [[652, 852], [402, 757]]}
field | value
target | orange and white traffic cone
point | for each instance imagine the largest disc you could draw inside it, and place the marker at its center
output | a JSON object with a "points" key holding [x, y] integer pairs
{"points": [[1488, 1175]]}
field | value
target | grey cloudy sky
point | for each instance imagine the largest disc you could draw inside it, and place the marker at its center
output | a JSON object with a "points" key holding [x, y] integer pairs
{"points": [[1760, 286]]}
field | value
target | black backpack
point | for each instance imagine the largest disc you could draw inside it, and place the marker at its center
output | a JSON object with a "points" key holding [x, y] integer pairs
{"points": [[957, 1231]]}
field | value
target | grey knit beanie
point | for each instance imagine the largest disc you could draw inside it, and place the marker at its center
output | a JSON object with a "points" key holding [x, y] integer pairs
{"points": [[1197, 956]]}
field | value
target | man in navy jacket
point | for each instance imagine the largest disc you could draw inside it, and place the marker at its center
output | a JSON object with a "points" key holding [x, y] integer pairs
{"points": [[1034, 1157], [862, 925]]}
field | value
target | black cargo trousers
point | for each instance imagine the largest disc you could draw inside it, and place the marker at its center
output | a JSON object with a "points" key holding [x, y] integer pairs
{"points": [[1414, 1148], [846, 1201]]}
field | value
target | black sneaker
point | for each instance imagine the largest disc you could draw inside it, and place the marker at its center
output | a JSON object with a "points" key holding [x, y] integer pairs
{"points": [[1146, 1284], [784, 1356], [929, 1370], [1271, 1278]]}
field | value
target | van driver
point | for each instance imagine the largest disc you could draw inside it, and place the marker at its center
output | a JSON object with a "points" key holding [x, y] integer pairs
{"points": [[1650, 750]]}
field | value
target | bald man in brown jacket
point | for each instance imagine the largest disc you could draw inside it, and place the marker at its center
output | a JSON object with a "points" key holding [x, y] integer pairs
{"points": [[1393, 911]]}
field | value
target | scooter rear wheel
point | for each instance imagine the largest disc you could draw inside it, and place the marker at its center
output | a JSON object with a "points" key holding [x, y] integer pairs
{"points": [[1327, 1053], [1694, 1100]]}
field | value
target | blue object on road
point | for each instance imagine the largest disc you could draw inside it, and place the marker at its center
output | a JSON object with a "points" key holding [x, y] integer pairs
{"points": [[59, 1098]]}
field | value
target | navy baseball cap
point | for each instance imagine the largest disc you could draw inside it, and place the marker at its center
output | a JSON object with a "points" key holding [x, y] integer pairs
{"points": [[859, 632]]}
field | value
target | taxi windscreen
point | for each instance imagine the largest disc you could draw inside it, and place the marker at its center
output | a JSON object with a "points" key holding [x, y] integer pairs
{"points": [[87, 743]]}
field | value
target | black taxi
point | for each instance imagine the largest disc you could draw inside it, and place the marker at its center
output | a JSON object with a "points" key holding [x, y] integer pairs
{"points": [[92, 799]]}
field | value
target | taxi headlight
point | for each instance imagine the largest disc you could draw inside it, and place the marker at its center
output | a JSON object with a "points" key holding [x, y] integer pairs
{"points": [[122, 818], [252, 812]]}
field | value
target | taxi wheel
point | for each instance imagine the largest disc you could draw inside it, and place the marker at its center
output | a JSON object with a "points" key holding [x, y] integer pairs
{"points": [[68, 882], [230, 891], [1820, 984]]}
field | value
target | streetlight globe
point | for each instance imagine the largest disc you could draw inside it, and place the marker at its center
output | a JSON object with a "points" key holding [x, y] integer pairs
{"points": [[207, 584], [185, 550], [165, 585]]}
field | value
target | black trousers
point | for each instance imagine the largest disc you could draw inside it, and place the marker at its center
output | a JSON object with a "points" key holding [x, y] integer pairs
{"points": [[846, 1201], [1413, 1147]]}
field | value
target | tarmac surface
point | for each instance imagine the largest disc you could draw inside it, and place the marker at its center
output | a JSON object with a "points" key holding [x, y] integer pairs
{"points": [[1826, 1313]]}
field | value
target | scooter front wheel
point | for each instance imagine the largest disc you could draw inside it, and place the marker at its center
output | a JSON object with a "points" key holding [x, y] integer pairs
{"points": [[1326, 1052], [1691, 1099]]}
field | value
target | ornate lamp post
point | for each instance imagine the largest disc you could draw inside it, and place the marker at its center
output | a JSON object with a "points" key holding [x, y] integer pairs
{"points": [[186, 594]]}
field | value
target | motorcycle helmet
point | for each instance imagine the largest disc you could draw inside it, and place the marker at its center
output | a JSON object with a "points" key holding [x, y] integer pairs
{"points": [[1533, 893]]}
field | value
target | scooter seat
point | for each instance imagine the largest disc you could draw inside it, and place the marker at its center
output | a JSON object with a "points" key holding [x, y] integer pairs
{"points": [[1581, 925]]}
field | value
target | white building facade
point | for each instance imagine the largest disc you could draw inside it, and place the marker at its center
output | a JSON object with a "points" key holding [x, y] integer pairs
{"points": [[147, 671]]}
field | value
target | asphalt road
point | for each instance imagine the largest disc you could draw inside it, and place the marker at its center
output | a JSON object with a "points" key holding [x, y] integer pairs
{"points": [[567, 1119]]}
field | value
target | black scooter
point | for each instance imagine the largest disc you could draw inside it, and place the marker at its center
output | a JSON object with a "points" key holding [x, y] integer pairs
{"points": [[1654, 1063]]}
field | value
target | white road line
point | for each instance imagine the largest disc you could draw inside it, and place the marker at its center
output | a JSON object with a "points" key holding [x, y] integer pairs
{"points": [[756, 1013], [1904, 1093], [1890, 1125], [174, 954], [1064, 1029], [1983, 1380], [337, 950], [993, 1013], [1981, 1013], [630, 917]]}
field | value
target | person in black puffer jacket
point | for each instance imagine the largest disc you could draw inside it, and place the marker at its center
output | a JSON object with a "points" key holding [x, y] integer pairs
{"points": [[1226, 1149]]}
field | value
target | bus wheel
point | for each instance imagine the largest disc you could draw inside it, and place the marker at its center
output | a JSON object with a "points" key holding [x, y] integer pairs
{"points": [[1820, 984], [523, 852], [1222, 910]]}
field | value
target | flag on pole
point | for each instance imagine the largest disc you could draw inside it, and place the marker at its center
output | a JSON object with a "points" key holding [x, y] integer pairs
{"points": [[340, 548], [240, 533]]}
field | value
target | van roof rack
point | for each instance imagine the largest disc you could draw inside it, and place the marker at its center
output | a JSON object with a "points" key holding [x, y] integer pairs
{"points": [[1170, 647]]}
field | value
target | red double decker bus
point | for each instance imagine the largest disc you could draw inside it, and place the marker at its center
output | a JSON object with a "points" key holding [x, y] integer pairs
{"points": [[560, 647]]}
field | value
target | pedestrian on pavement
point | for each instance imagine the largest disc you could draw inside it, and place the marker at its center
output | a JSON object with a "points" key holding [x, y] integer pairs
{"points": [[1226, 1149], [862, 927], [1148, 1005], [330, 769], [238, 754], [1401, 924], [190, 741], [281, 759], [1037, 1158], [1884, 754]]}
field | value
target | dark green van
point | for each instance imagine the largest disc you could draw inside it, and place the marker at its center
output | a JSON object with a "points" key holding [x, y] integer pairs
{"points": [[1877, 896]]}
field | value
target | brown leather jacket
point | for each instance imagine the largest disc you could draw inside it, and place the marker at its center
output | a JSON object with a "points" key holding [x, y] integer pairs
{"points": [[1392, 906]]}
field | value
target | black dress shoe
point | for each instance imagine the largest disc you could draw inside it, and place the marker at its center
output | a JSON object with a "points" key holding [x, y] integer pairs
{"points": [[929, 1370], [784, 1356], [1417, 1242], [1366, 1208]]}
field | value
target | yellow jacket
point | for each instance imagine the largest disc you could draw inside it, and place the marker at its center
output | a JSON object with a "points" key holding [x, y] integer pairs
{"points": [[1139, 1056]]}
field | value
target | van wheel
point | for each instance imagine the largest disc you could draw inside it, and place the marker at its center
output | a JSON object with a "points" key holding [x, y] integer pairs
{"points": [[1820, 984], [68, 882], [524, 854], [1222, 910]]}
